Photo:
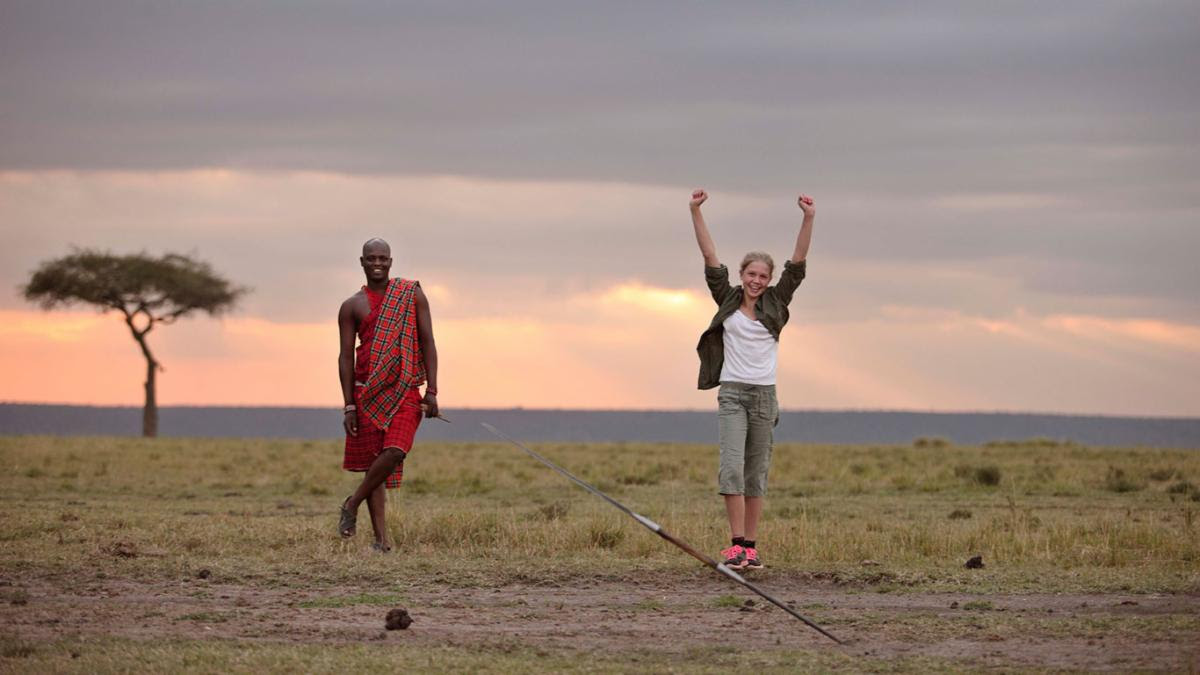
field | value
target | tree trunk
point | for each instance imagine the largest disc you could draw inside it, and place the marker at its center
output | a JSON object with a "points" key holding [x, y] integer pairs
{"points": [[150, 410]]}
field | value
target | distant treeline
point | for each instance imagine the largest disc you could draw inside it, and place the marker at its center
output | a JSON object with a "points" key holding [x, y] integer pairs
{"points": [[857, 427]]}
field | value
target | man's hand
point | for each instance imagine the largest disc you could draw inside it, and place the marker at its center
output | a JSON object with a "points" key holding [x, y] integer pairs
{"points": [[698, 198], [350, 422], [806, 205], [429, 404]]}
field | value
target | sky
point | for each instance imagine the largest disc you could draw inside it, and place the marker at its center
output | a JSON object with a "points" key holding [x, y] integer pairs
{"points": [[1007, 194]]}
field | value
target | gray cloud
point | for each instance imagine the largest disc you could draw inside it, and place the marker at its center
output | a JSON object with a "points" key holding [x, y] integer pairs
{"points": [[756, 97], [1078, 117]]}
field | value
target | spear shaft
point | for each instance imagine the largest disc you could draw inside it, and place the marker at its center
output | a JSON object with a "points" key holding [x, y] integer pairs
{"points": [[658, 529]]}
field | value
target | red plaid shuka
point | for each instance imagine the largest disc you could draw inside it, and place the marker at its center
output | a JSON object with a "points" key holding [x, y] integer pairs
{"points": [[365, 446], [396, 363]]}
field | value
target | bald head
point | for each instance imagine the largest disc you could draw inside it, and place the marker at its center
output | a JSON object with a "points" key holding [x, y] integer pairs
{"points": [[376, 260], [376, 246]]}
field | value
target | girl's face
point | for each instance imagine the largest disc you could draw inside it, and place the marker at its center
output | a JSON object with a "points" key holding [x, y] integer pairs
{"points": [[755, 278]]}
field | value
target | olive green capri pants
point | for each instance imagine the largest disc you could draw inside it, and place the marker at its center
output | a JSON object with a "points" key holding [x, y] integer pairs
{"points": [[747, 415]]}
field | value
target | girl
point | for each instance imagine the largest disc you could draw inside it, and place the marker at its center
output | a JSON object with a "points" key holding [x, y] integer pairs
{"points": [[738, 353]]}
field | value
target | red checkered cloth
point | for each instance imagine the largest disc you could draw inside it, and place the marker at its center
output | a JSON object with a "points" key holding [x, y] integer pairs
{"points": [[396, 363], [362, 449]]}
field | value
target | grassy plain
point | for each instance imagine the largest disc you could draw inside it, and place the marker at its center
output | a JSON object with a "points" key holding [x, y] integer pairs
{"points": [[85, 513]]}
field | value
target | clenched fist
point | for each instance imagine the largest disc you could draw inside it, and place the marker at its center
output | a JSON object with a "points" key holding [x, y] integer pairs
{"points": [[698, 198], [806, 205]]}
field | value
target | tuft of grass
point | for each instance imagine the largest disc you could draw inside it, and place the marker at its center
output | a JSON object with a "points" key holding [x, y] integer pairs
{"points": [[15, 649], [978, 605], [1116, 480], [651, 604], [1183, 487], [205, 617], [554, 510], [1164, 474], [989, 474], [959, 514], [727, 601], [603, 535]]}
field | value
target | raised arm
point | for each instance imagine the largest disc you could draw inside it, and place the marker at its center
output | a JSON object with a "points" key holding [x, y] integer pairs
{"points": [[805, 237], [795, 268], [703, 238]]}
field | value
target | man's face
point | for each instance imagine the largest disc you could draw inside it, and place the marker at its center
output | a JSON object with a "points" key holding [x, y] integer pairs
{"points": [[376, 262]]}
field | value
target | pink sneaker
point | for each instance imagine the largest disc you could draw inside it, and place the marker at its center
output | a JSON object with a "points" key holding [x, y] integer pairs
{"points": [[735, 557], [752, 560]]}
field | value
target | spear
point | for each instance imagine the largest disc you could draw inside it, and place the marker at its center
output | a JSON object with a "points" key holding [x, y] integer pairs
{"points": [[657, 529]]}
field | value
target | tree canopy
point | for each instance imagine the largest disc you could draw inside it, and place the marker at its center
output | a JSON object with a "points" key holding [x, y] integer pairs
{"points": [[158, 289]]}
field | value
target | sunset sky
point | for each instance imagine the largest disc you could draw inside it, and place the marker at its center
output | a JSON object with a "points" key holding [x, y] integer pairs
{"points": [[1007, 194]]}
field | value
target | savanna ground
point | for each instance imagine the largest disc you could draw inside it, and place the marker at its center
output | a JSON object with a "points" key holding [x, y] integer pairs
{"points": [[220, 555]]}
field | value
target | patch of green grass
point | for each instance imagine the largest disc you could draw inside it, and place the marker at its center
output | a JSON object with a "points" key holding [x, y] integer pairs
{"points": [[205, 617], [353, 600], [651, 604], [727, 601], [978, 605]]}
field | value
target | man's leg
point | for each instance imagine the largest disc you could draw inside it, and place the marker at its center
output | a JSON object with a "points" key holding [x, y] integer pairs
{"points": [[381, 468], [377, 505]]}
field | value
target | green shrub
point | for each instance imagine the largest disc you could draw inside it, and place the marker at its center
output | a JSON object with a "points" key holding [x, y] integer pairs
{"points": [[983, 475], [988, 475]]}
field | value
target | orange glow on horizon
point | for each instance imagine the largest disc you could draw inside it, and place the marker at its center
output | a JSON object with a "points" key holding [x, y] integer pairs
{"points": [[630, 346]]}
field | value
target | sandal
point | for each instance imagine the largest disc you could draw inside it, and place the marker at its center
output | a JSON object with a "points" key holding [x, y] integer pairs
{"points": [[381, 548], [347, 521]]}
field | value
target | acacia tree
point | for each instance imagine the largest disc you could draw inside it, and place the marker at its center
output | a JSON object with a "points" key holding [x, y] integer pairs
{"points": [[147, 291]]}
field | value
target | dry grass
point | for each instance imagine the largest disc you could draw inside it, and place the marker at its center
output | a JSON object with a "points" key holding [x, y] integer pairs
{"points": [[1043, 516], [123, 656]]}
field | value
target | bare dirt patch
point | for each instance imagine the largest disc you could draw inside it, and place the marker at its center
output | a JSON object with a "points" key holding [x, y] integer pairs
{"points": [[1084, 631]]}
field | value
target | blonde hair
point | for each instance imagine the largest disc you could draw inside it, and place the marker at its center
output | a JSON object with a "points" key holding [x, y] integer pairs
{"points": [[758, 256]]}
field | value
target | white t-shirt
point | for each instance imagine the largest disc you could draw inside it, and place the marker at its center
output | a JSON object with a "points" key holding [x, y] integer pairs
{"points": [[750, 351]]}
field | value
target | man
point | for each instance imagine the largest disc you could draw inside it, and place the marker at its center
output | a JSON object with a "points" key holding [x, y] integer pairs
{"points": [[395, 355]]}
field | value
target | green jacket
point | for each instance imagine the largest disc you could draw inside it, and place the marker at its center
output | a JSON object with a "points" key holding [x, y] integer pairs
{"points": [[771, 309]]}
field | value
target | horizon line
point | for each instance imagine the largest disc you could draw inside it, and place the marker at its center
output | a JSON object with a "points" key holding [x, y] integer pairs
{"points": [[899, 411]]}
